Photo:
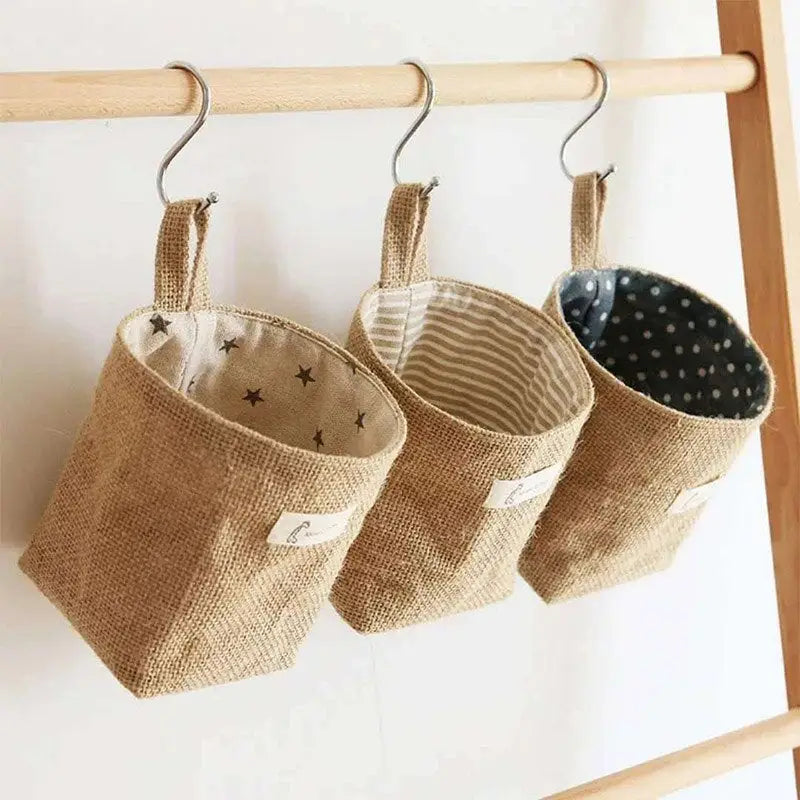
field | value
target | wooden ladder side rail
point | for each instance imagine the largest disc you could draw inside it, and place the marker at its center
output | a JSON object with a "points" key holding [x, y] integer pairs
{"points": [[768, 201]]}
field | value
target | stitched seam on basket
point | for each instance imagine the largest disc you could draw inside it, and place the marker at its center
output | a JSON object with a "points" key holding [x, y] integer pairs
{"points": [[187, 359], [409, 306], [194, 268], [595, 295]]}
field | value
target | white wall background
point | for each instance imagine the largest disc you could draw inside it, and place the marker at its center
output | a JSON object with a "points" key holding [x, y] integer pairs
{"points": [[511, 702]]}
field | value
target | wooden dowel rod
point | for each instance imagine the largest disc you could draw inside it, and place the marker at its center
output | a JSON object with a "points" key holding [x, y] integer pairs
{"points": [[30, 96], [683, 768]]}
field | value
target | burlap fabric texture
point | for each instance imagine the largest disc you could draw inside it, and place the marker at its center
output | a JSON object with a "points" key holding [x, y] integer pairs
{"points": [[492, 389], [207, 423], [679, 387]]}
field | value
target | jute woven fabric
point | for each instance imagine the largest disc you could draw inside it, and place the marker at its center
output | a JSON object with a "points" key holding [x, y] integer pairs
{"points": [[154, 544], [491, 389], [181, 281], [679, 387], [588, 204]]}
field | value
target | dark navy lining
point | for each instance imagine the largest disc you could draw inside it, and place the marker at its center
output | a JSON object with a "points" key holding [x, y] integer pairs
{"points": [[666, 341]]}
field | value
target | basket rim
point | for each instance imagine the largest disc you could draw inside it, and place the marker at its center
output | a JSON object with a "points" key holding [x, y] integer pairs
{"points": [[391, 448], [398, 384], [613, 383]]}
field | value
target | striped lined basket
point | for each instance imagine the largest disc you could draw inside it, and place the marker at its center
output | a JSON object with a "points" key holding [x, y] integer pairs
{"points": [[495, 396]]}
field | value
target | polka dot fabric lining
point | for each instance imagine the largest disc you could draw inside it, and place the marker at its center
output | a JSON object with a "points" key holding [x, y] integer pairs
{"points": [[666, 341], [678, 389]]}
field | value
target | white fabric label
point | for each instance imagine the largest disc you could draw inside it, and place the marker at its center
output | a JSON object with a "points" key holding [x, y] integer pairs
{"points": [[689, 499], [507, 494], [304, 530]]}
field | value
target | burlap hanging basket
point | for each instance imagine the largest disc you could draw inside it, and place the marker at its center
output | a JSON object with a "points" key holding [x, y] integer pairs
{"points": [[495, 396], [226, 466], [679, 387]]}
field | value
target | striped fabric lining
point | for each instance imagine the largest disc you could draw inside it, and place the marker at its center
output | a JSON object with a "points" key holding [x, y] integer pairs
{"points": [[476, 356]]}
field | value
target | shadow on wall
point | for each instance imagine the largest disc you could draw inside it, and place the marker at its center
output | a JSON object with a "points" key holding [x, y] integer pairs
{"points": [[47, 381], [34, 628], [266, 281], [576, 670]]}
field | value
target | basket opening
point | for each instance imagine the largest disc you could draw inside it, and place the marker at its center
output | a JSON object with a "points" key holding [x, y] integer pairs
{"points": [[268, 375], [666, 341], [477, 355]]}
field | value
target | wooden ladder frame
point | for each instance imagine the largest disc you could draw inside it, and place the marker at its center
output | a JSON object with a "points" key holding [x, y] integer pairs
{"points": [[752, 70]]}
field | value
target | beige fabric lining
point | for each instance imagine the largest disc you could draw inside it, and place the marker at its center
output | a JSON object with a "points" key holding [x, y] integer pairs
{"points": [[263, 357], [474, 357]]}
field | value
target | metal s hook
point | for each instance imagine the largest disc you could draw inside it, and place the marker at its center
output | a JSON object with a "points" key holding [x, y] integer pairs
{"points": [[200, 119], [604, 89], [430, 99]]}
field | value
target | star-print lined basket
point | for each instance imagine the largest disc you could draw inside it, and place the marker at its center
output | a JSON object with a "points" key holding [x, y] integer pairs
{"points": [[495, 396], [226, 466], [679, 388]]}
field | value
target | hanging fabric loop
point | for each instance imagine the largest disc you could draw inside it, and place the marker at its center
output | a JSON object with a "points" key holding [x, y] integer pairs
{"points": [[405, 251], [588, 204]]}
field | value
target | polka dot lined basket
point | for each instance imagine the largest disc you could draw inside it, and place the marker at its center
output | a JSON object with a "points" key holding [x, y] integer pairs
{"points": [[495, 395], [224, 470], [679, 387]]}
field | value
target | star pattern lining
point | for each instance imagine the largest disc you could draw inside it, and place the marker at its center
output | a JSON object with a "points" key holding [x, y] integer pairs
{"points": [[305, 375], [160, 324], [253, 396]]}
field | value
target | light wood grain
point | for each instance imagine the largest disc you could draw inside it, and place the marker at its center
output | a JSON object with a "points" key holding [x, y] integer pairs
{"points": [[162, 92], [697, 763], [769, 221]]}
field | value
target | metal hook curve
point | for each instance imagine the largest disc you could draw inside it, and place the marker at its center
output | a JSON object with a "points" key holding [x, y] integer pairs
{"points": [[430, 99], [605, 85], [199, 121]]}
